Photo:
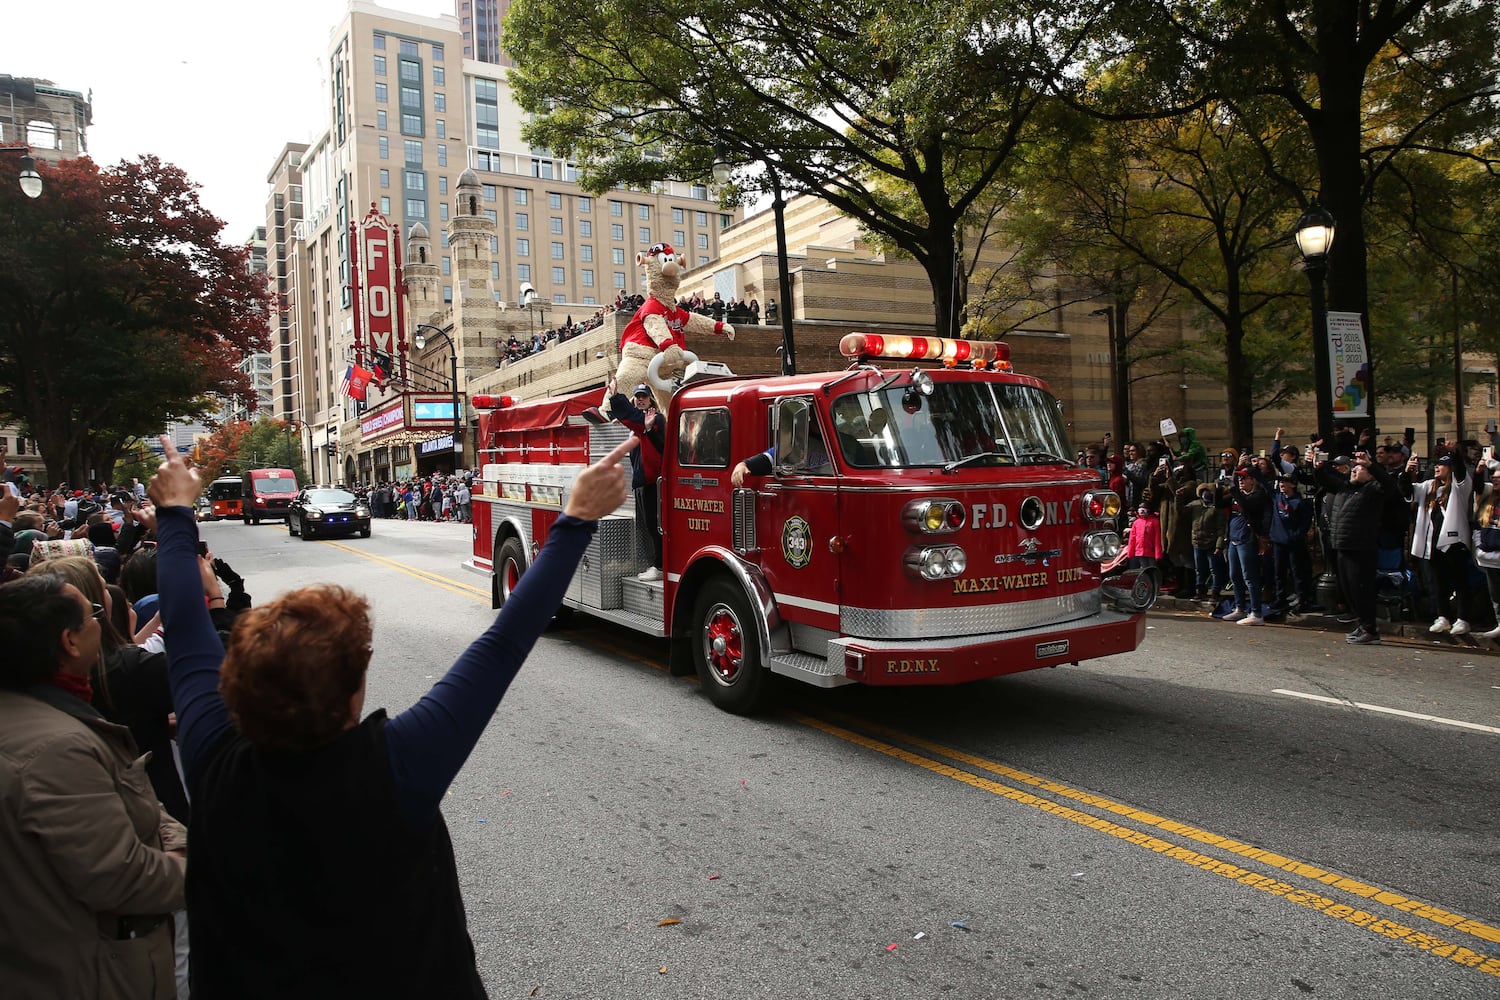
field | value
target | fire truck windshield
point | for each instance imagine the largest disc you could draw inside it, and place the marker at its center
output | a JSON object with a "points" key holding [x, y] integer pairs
{"points": [[967, 423]]}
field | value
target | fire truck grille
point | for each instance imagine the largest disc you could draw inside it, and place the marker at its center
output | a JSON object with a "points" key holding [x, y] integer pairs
{"points": [[913, 623], [743, 521]]}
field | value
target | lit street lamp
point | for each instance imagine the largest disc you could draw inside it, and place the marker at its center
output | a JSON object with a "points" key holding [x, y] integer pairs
{"points": [[419, 342], [31, 181], [1314, 239]]}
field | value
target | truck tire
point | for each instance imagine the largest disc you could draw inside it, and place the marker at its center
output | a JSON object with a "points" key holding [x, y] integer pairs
{"points": [[510, 563], [726, 649], [289, 530], [307, 532]]}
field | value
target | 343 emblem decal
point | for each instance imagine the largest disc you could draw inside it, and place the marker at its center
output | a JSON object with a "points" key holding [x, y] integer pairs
{"points": [[796, 542]]}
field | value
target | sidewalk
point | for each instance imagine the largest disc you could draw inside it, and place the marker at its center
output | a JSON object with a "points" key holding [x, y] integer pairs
{"points": [[1414, 632]]}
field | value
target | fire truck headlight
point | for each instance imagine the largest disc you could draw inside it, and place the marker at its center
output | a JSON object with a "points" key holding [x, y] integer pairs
{"points": [[1101, 546], [934, 517], [1102, 505], [922, 382], [939, 562]]}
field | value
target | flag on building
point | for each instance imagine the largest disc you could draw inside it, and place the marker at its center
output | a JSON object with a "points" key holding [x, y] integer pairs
{"points": [[359, 381], [344, 383]]}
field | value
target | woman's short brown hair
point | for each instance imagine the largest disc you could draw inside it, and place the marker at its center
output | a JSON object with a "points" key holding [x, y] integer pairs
{"points": [[293, 664]]}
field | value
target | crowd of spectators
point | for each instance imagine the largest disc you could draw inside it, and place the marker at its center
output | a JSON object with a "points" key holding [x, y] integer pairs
{"points": [[435, 497], [1249, 531]]}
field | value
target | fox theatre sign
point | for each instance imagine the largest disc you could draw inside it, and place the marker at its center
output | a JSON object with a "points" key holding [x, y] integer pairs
{"points": [[379, 330]]}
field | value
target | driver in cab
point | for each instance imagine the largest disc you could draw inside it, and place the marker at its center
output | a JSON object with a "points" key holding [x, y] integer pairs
{"points": [[764, 463]]}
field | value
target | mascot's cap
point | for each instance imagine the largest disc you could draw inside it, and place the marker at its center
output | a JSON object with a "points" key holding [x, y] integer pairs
{"points": [[661, 248]]}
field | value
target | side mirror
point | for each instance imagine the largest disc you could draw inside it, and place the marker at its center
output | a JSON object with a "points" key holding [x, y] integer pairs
{"points": [[790, 419]]}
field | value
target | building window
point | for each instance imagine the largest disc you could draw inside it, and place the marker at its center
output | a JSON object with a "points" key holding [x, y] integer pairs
{"points": [[554, 200], [495, 270], [408, 47], [619, 279], [586, 252], [413, 151], [616, 209], [523, 247], [702, 259], [725, 221], [523, 221], [588, 278], [385, 205], [439, 102], [448, 294], [442, 185], [541, 169], [385, 147], [556, 224], [494, 244], [677, 216], [523, 196], [701, 218], [381, 121], [437, 76], [585, 228], [617, 255], [643, 212], [380, 93], [490, 214], [442, 156], [585, 204], [699, 192], [679, 238], [617, 232], [557, 251], [416, 208], [447, 265], [385, 178], [702, 241], [489, 193], [644, 234], [486, 137], [443, 211], [411, 124], [380, 65], [559, 276], [379, 40], [437, 53], [441, 129], [523, 272], [411, 97]]}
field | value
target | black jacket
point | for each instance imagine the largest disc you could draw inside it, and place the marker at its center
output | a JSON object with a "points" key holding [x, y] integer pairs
{"points": [[1355, 510]]}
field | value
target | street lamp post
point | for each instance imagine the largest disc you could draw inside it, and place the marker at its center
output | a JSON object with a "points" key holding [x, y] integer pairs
{"points": [[419, 342], [722, 171], [1314, 239], [31, 181]]}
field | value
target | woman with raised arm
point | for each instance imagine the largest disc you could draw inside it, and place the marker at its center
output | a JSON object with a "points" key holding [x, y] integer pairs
{"points": [[320, 864]]}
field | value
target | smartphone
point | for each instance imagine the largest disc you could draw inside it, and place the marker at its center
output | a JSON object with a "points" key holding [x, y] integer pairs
{"points": [[203, 548]]}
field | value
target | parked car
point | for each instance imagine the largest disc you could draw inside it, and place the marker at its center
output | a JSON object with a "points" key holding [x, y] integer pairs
{"points": [[324, 510]]}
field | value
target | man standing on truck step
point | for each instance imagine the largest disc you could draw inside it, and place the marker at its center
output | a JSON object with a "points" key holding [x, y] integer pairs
{"points": [[639, 413]]}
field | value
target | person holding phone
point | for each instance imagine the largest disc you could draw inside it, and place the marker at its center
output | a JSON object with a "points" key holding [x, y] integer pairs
{"points": [[319, 850]]}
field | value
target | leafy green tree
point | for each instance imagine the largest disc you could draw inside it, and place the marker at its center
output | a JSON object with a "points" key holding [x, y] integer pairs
{"points": [[270, 443], [1373, 84], [119, 310], [899, 114]]}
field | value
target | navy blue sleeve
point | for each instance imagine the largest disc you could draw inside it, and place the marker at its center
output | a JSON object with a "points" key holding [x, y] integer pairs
{"points": [[429, 742], [194, 652]]}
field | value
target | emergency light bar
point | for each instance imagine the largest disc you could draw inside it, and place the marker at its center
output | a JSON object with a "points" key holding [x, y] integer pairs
{"points": [[951, 352], [484, 401]]}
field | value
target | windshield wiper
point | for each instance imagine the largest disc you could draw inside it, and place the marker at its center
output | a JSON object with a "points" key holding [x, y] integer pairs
{"points": [[1042, 457], [970, 459]]}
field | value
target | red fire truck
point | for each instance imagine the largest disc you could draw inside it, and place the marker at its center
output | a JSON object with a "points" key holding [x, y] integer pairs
{"points": [[922, 525]]}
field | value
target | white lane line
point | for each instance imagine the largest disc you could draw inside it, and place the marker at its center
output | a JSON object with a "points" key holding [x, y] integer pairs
{"points": [[1388, 711]]}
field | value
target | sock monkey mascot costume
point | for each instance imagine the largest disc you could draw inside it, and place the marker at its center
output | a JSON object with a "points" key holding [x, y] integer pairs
{"points": [[660, 325]]}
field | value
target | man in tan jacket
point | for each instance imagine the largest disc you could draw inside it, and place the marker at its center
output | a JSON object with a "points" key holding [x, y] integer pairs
{"points": [[91, 864]]}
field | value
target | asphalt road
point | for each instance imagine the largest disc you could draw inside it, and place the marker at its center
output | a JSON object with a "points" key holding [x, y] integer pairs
{"points": [[1228, 812]]}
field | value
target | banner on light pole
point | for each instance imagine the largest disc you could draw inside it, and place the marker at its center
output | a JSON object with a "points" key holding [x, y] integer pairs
{"points": [[1349, 366]]}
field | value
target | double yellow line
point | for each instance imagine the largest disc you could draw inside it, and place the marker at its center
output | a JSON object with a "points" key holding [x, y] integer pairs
{"points": [[1131, 825]]}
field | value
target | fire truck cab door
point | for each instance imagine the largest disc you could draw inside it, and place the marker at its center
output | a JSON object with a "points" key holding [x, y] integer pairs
{"points": [[798, 516]]}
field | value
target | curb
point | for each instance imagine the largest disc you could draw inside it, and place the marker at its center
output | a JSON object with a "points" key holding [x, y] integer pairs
{"points": [[1413, 632]]}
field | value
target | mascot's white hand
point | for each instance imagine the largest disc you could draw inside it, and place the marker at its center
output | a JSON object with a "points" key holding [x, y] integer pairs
{"points": [[728, 331], [672, 362]]}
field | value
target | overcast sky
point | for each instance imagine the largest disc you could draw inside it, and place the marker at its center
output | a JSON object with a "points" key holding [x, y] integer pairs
{"points": [[214, 86]]}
